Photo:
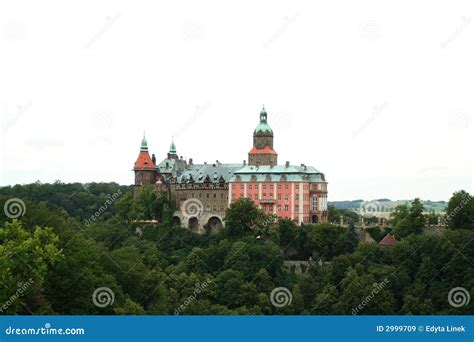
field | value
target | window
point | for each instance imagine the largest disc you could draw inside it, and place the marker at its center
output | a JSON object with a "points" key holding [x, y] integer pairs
{"points": [[264, 187], [279, 186], [264, 196], [271, 208], [241, 187], [286, 208], [222, 195], [215, 195], [286, 197], [279, 208], [297, 197], [256, 196], [207, 195], [271, 196], [279, 197], [314, 203], [296, 208], [250, 186], [286, 186], [297, 186], [271, 187]]}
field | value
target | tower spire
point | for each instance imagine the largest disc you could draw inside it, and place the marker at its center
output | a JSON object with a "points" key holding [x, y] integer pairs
{"points": [[144, 145], [172, 147]]}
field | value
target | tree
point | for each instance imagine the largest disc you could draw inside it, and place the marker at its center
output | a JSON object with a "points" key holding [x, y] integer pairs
{"points": [[24, 260], [324, 241], [408, 221], [243, 217], [351, 239], [460, 211]]}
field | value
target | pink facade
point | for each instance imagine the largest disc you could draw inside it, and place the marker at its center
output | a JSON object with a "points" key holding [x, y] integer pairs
{"points": [[302, 202]]}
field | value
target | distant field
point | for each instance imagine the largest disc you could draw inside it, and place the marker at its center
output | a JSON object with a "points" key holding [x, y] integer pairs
{"points": [[387, 205]]}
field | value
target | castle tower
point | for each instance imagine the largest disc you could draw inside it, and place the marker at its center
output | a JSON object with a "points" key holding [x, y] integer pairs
{"points": [[144, 166], [262, 152]]}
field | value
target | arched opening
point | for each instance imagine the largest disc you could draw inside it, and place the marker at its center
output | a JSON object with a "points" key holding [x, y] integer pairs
{"points": [[193, 224], [314, 219], [176, 221], [213, 225]]}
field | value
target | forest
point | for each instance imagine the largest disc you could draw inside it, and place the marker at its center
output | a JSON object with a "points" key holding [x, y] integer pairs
{"points": [[65, 243]]}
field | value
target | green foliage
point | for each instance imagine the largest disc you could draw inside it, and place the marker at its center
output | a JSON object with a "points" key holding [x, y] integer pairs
{"points": [[164, 270], [408, 220], [243, 218], [24, 259], [460, 211], [334, 215]]}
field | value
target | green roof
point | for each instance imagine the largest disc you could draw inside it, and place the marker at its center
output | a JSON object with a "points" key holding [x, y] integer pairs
{"points": [[277, 173], [144, 146], [172, 147], [263, 126], [277, 169]]}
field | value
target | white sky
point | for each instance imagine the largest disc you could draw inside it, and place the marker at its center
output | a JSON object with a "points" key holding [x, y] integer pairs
{"points": [[378, 95]]}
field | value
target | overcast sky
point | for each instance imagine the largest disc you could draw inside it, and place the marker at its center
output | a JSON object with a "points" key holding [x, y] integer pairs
{"points": [[378, 95]]}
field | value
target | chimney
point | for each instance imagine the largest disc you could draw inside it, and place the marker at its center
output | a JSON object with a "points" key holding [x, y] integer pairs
{"points": [[153, 159], [181, 157], [190, 161], [245, 162], [217, 162], [205, 163], [303, 166], [287, 164]]}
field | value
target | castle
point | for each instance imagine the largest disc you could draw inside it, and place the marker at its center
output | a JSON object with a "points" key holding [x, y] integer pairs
{"points": [[202, 192]]}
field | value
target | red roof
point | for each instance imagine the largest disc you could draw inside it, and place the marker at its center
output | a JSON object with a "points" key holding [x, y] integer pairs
{"points": [[265, 150], [388, 240], [144, 162]]}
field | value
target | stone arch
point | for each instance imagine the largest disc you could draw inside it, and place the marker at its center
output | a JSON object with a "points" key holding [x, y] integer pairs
{"points": [[214, 224], [193, 224], [176, 221]]}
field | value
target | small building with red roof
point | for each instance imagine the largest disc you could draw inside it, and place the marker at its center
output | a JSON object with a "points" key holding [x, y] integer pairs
{"points": [[389, 240]]}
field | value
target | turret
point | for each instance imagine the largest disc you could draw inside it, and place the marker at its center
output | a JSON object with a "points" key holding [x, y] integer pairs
{"points": [[144, 167]]}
